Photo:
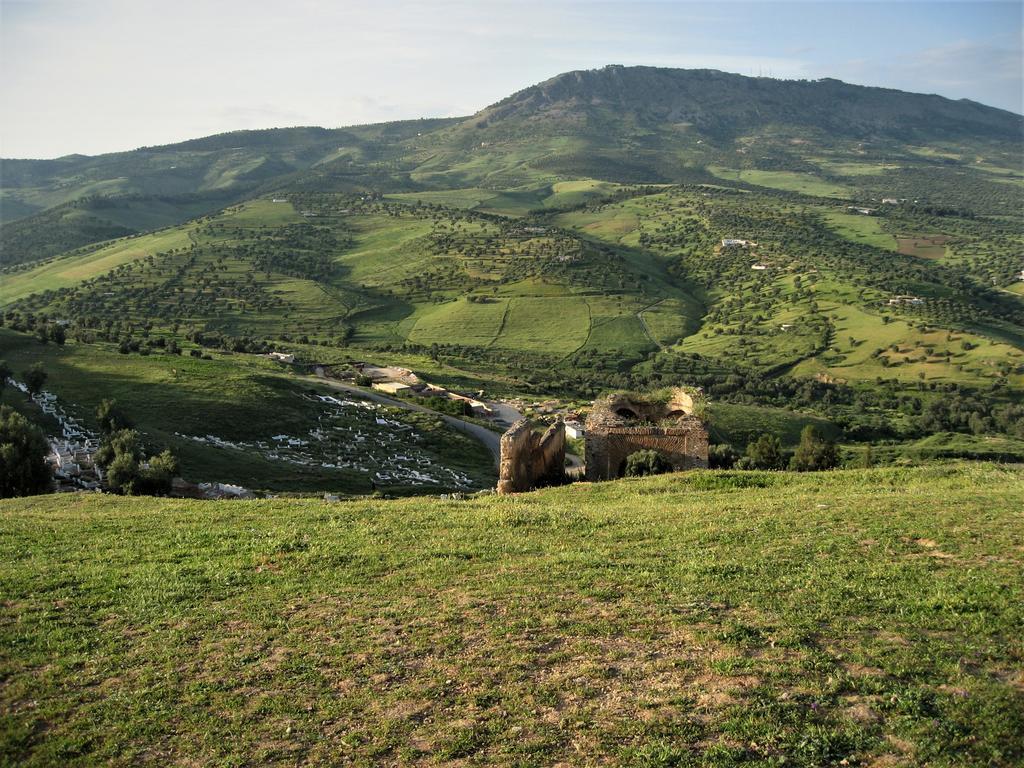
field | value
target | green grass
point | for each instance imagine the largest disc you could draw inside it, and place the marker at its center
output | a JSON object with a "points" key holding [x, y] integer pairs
{"points": [[552, 325], [866, 230], [63, 272], [952, 445], [739, 425], [469, 323], [789, 181], [840, 168], [916, 352], [703, 619]]}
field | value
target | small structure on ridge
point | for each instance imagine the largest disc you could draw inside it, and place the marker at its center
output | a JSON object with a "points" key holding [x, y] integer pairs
{"points": [[623, 423]]}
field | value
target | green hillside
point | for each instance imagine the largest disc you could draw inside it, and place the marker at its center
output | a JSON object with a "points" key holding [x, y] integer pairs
{"points": [[237, 162], [246, 420], [703, 619], [569, 239]]}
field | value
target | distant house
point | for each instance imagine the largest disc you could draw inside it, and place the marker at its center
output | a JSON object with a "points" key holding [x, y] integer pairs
{"points": [[861, 210], [479, 408], [786, 326], [896, 301], [1021, 275], [759, 267], [574, 430], [282, 357], [735, 242], [890, 201], [391, 387]]}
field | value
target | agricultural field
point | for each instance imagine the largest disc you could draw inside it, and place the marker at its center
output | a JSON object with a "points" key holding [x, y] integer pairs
{"points": [[861, 229], [789, 181], [704, 619]]}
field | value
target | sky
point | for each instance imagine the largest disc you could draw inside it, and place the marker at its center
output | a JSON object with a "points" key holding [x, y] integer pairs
{"points": [[94, 76]]}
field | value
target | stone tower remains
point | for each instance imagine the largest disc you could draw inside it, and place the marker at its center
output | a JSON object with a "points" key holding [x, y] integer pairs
{"points": [[621, 424], [529, 460]]}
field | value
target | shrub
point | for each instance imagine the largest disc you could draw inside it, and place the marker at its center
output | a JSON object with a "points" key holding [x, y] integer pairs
{"points": [[764, 453], [647, 462], [121, 454], [23, 450], [111, 418], [35, 378], [123, 474], [119, 443], [722, 456], [814, 452], [155, 479]]}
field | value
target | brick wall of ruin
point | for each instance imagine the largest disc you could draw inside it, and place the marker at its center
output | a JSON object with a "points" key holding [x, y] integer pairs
{"points": [[529, 460], [685, 446]]}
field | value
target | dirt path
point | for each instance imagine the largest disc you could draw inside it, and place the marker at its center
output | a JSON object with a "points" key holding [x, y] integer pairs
{"points": [[646, 327]]}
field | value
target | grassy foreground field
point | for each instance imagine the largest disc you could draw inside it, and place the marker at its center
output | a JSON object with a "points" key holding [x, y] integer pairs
{"points": [[864, 617]]}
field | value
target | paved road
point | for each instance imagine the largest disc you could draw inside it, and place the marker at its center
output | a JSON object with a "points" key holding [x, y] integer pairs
{"points": [[490, 439]]}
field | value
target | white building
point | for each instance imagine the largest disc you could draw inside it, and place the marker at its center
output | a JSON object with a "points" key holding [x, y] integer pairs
{"points": [[282, 357], [574, 430], [391, 387]]}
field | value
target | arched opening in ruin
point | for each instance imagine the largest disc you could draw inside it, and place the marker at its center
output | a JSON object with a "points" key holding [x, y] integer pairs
{"points": [[676, 414], [626, 413]]}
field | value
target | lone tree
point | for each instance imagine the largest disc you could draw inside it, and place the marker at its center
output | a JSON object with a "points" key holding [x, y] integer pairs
{"points": [[23, 449], [814, 452], [642, 463], [35, 377], [123, 442], [121, 455], [5, 373], [111, 418], [764, 453]]}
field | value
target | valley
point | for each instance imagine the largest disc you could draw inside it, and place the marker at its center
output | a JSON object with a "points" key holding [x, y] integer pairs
{"points": [[338, 445]]}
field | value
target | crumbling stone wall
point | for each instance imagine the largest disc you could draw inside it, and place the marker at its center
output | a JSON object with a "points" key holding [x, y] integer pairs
{"points": [[623, 424], [529, 460]]}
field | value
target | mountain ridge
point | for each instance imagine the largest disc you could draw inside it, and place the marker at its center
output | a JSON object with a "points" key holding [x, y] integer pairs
{"points": [[557, 83], [677, 94]]}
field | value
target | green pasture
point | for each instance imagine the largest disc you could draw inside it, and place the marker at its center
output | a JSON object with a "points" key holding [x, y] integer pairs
{"points": [[71, 270], [789, 181], [866, 230], [858, 617]]}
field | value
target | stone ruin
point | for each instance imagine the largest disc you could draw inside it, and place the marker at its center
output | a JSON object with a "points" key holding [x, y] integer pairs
{"points": [[529, 460], [618, 425], [622, 424]]}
